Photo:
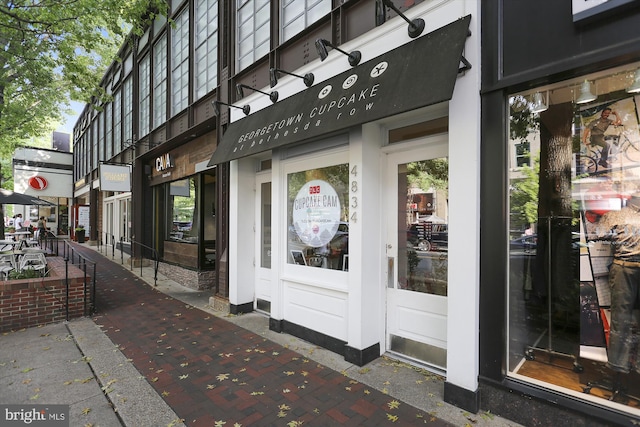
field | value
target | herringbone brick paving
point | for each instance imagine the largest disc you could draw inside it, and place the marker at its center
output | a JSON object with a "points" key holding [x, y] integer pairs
{"points": [[214, 373]]}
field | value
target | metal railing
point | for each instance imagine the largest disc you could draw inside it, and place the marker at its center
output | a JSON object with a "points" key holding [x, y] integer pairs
{"points": [[107, 244], [107, 240], [62, 248], [155, 258], [71, 255]]}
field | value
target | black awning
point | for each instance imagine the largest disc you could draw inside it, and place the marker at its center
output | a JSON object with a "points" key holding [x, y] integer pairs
{"points": [[420, 73]]}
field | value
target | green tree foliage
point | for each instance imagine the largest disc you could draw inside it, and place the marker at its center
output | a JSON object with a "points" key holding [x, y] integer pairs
{"points": [[426, 174], [56, 50], [524, 196], [524, 192]]}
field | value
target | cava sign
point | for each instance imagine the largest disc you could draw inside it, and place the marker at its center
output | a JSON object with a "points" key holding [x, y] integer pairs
{"points": [[164, 162]]}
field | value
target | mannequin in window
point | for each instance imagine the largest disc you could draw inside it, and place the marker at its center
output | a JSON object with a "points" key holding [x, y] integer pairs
{"points": [[622, 229]]}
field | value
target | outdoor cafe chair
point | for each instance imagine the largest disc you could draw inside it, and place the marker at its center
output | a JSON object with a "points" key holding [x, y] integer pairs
{"points": [[34, 261], [7, 264]]}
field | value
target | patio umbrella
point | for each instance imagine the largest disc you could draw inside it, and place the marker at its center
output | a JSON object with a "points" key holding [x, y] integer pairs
{"points": [[8, 197]]}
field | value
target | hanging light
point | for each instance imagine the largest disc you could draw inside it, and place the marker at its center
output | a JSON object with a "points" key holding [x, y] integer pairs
{"points": [[538, 103], [585, 93], [635, 87]]}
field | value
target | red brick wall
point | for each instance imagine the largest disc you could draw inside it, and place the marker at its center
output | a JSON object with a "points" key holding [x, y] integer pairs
{"points": [[33, 302]]}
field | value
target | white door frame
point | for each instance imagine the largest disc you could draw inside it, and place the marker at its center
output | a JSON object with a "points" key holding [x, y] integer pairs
{"points": [[412, 319], [263, 275]]}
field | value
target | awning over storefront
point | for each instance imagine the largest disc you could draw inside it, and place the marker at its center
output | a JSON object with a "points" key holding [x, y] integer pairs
{"points": [[420, 73]]}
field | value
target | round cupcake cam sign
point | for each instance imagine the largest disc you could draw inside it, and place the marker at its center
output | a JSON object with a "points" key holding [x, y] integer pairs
{"points": [[316, 213]]}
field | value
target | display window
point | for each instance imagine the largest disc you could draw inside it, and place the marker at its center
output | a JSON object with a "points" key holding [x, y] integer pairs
{"points": [[183, 208], [574, 237], [318, 217]]}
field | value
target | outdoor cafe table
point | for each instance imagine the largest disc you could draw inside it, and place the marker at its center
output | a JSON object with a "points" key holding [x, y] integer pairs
{"points": [[4, 244], [19, 234]]}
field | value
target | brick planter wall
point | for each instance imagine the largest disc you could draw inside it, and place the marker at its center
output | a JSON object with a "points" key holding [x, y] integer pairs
{"points": [[32, 302]]}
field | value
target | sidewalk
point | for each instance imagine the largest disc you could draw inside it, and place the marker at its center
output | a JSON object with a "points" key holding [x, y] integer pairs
{"points": [[163, 354]]}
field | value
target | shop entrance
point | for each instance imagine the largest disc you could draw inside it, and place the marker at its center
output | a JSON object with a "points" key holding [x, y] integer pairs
{"points": [[417, 260], [115, 221], [263, 243]]}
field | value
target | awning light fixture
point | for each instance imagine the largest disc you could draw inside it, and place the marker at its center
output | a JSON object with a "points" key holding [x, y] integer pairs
{"points": [[321, 47], [273, 77], [416, 26], [539, 104], [585, 93], [246, 109], [273, 96], [635, 86]]}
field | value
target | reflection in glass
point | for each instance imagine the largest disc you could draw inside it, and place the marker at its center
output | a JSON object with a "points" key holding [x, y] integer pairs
{"points": [[265, 214], [574, 242], [183, 209], [422, 226]]}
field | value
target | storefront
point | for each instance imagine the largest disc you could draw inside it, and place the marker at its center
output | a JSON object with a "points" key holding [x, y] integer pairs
{"points": [[182, 215], [561, 165], [350, 199], [48, 175], [116, 213]]}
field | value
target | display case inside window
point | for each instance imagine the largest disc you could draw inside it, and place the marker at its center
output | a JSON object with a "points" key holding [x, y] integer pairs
{"points": [[318, 213], [574, 240], [183, 207]]}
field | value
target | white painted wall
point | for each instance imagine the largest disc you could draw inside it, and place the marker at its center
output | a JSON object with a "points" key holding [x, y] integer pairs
{"points": [[241, 232], [60, 181], [464, 215]]}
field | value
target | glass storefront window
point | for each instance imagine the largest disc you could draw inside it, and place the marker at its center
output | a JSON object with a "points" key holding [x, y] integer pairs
{"points": [[318, 212], [182, 206], [574, 237]]}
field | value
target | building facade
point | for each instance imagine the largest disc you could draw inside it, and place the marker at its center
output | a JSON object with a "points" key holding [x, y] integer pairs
{"points": [[48, 175], [376, 186], [559, 183]]}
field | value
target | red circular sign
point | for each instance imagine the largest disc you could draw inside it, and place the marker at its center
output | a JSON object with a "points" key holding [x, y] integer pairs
{"points": [[38, 183]]}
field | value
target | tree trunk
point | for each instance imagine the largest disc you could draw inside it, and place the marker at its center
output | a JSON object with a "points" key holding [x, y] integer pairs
{"points": [[555, 278]]}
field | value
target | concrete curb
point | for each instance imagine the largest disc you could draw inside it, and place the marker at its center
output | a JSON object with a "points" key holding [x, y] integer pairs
{"points": [[132, 397]]}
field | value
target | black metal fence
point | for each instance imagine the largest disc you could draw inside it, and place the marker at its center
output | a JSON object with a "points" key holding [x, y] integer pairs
{"points": [[108, 245]]}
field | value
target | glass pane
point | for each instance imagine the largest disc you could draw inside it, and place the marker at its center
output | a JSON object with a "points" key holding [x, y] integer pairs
{"points": [[265, 214], [318, 227], [574, 236], [292, 11], [184, 211], [318, 11], [422, 226]]}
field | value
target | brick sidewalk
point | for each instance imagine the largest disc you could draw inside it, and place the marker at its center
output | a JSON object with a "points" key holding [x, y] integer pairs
{"points": [[214, 373]]}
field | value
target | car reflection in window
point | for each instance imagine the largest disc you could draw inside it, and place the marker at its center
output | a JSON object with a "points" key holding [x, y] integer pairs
{"points": [[526, 244]]}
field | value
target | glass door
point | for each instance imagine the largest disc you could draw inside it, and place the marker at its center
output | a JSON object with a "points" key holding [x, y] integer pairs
{"points": [[417, 261], [263, 243]]}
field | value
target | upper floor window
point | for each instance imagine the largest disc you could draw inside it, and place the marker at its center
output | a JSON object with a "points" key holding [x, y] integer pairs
{"points": [[127, 110], [98, 154], [117, 119], [144, 71], [180, 63], [299, 14], [108, 128], [253, 18], [160, 81], [206, 49], [108, 152]]}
